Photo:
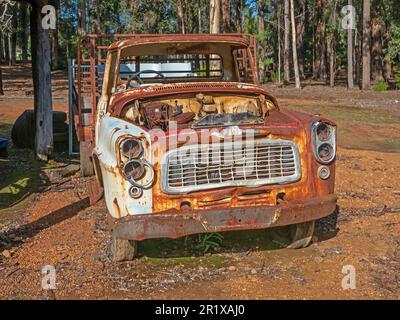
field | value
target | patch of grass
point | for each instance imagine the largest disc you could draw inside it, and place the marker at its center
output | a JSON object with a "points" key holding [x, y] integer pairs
{"points": [[215, 261], [360, 128], [381, 86], [20, 174], [397, 80], [390, 145], [210, 241]]}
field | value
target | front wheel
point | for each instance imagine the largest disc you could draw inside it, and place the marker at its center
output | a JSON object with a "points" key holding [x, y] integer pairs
{"points": [[295, 236], [123, 250]]}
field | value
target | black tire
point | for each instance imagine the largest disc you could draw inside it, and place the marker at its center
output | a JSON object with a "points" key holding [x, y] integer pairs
{"points": [[123, 250], [23, 130], [59, 116], [60, 137], [60, 127], [295, 236]]}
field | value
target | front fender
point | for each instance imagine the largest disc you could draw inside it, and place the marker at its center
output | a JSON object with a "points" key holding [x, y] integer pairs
{"points": [[116, 188]]}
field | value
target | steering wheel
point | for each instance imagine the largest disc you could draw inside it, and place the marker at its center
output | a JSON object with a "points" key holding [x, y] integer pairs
{"points": [[136, 76]]}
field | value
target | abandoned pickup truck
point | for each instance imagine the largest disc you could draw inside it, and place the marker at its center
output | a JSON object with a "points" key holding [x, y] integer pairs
{"points": [[186, 142]]}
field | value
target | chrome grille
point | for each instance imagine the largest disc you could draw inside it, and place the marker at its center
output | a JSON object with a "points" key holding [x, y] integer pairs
{"points": [[210, 166]]}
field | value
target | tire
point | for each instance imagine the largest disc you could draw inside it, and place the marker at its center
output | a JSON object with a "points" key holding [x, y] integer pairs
{"points": [[295, 236], [59, 116], [60, 137], [123, 250], [23, 130], [60, 127]]}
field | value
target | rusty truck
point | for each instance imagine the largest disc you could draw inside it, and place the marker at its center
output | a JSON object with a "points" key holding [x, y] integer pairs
{"points": [[182, 140]]}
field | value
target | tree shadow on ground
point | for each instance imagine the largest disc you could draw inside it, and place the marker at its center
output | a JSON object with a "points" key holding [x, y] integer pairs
{"points": [[21, 174], [27, 231]]}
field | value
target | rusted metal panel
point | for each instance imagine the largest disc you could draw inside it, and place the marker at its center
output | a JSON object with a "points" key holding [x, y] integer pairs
{"points": [[175, 223], [116, 188], [161, 214]]}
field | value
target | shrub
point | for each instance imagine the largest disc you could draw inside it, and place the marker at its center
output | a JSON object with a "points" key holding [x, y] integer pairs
{"points": [[381, 86], [398, 81]]}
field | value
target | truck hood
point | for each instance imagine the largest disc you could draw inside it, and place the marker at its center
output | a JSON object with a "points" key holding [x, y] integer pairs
{"points": [[119, 99]]}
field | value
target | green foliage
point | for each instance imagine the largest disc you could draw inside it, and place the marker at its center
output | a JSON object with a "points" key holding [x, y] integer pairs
{"points": [[210, 241], [381, 86], [274, 76], [398, 81], [394, 43]]}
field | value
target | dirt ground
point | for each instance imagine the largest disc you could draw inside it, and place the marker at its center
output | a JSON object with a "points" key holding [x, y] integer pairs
{"points": [[56, 226]]}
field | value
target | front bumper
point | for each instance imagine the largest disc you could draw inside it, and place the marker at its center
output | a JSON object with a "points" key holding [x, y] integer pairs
{"points": [[178, 223]]}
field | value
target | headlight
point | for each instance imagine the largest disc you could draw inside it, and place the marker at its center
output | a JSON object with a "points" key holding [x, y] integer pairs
{"points": [[131, 148], [134, 165], [323, 131], [134, 170], [324, 142], [139, 173], [326, 152]]}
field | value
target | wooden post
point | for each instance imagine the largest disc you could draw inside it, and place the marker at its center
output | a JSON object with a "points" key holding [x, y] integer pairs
{"points": [[41, 72]]}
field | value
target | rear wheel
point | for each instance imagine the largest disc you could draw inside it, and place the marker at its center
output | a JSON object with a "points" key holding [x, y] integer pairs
{"points": [[123, 250], [295, 236]]}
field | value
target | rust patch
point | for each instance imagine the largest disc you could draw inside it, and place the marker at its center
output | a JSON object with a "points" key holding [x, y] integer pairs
{"points": [[117, 209]]}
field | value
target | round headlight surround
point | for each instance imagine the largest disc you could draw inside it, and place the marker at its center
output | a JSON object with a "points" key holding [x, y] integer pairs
{"points": [[324, 141], [132, 148], [135, 170], [326, 152], [323, 132]]}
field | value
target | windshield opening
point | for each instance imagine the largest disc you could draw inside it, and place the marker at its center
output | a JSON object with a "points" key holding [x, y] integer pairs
{"points": [[166, 68]]}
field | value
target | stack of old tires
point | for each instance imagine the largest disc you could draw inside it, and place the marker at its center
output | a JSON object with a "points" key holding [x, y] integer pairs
{"points": [[23, 131]]}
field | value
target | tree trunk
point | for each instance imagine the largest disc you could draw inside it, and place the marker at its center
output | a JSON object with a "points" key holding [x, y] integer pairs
{"points": [[2, 56], [1, 83], [226, 16], [358, 58], [24, 31], [320, 67], [41, 73], [286, 48], [13, 37], [350, 52], [55, 52], [331, 43], [81, 17], [279, 12], [366, 49], [238, 15], [300, 35], [181, 18], [214, 16], [262, 42], [199, 24], [294, 49], [6, 44], [377, 66]]}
